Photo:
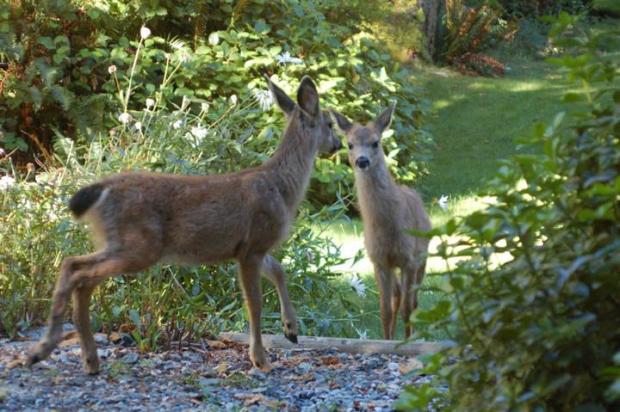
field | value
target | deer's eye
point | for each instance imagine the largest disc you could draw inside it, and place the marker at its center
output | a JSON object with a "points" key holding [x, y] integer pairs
{"points": [[350, 146], [374, 145]]}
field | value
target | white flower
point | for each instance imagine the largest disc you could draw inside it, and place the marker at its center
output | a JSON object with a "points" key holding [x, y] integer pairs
{"points": [[286, 57], [2, 153], [362, 334], [124, 118], [199, 132], [443, 202], [138, 126], [204, 106], [6, 182], [264, 99], [184, 57], [233, 99], [358, 286], [214, 39], [145, 32], [177, 124], [150, 103], [111, 69]]}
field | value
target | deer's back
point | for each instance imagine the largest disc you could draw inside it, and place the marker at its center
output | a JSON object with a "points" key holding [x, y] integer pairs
{"points": [[193, 219]]}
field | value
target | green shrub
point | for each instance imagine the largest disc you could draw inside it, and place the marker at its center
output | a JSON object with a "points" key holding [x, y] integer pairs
{"points": [[59, 55], [534, 314]]}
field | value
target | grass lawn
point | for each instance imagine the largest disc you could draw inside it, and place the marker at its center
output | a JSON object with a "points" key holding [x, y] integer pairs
{"points": [[475, 121]]}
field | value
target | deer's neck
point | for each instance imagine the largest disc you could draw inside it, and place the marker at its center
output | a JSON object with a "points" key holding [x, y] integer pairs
{"points": [[376, 190], [291, 164]]}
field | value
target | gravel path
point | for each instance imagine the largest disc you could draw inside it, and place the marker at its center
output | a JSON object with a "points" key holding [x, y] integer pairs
{"points": [[212, 377]]}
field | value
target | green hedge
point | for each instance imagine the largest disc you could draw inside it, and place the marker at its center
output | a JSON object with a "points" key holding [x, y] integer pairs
{"points": [[58, 54]]}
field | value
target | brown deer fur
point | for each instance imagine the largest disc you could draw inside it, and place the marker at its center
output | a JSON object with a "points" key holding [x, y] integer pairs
{"points": [[388, 211], [140, 219]]}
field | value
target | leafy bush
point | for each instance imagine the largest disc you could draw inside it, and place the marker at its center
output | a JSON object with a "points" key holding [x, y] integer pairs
{"points": [[540, 330], [163, 304], [59, 56]]}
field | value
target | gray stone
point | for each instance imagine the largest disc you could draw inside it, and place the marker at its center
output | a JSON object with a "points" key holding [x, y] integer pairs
{"points": [[130, 358]]}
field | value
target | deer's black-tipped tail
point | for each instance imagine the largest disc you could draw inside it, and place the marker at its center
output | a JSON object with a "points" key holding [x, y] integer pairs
{"points": [[85, 198]]}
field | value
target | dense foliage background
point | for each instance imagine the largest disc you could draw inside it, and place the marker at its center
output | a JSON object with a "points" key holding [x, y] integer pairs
{"points": [[59, 53]]}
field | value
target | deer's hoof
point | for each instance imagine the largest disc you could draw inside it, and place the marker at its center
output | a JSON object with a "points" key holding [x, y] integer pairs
{"points": [[31, 359], [40, 352], [292, 337], [91, 367], [260, 360]]}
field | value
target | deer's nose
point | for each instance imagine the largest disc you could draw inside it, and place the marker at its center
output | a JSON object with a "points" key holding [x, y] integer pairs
{"points": [[362, 162]]}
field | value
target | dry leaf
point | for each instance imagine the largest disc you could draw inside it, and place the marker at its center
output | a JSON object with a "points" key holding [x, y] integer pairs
{"points": [[411, 365], [330, 360], [216, 344], [15, 363], [222, 368]]}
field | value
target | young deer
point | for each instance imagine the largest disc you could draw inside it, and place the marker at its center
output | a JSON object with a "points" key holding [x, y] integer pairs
{"points": [[140, 219], [388, 211]]}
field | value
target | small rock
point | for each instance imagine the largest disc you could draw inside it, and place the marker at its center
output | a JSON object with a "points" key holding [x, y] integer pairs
{"points": [[304, 367], [393, 367], [101, 338], [257, 373], [209, 381], [130, 358], [208, 372]]}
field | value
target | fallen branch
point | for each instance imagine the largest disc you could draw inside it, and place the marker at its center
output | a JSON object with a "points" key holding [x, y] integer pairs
{"points": [[364, 346]]}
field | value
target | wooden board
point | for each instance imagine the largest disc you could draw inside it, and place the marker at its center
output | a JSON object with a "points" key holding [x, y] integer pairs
{"points": [[363, 346]]}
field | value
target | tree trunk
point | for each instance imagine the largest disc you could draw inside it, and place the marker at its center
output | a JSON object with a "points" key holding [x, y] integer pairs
{"points": [[431, 21]]}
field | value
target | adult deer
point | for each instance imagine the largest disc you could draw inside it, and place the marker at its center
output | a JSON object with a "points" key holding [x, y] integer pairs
{"points": [[388, 211], [140, 219]]}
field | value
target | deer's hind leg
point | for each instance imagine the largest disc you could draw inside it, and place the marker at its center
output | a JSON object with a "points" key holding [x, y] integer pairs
{"points": [[272, 270], [412, 279], [396, 302], [81, 319], [78, 277]]}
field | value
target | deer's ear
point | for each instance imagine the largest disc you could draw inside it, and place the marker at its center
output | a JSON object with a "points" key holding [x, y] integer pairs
{"points": [[308, 97], [286, 104], [342, 123], [383, 121]]}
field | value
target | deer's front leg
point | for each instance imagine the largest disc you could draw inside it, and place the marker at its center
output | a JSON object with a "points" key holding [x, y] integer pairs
{"points": [[272, 270], [249, 273], [385, 278]]}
